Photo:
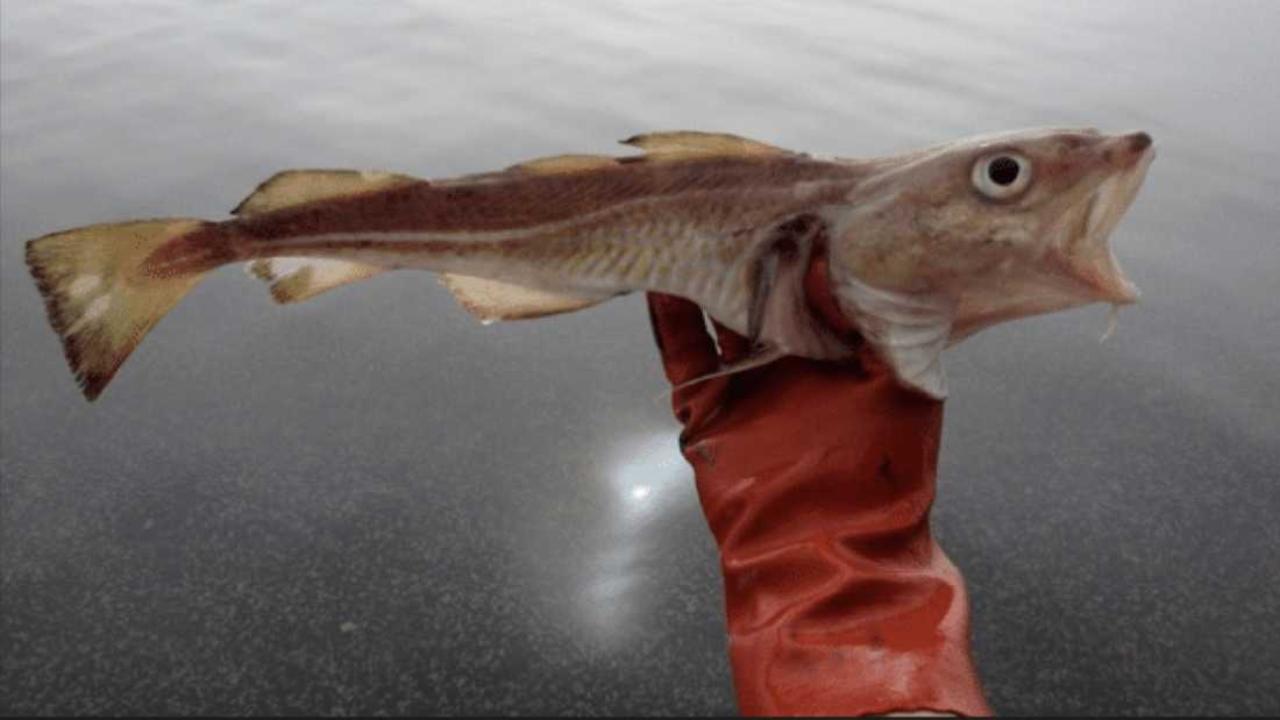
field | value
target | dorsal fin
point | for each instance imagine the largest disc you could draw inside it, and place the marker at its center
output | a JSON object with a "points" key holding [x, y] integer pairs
{"points": [[492, 300], [691, 142], [295, 187], [558, 164]]}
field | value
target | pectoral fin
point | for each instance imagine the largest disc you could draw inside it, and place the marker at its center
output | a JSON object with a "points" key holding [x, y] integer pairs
{"points": [[908, 330], [490, 300], [766, 274], [777, 292]]}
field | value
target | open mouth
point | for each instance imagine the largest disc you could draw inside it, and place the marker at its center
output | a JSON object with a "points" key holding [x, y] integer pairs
{"points": [[1088, 255]]}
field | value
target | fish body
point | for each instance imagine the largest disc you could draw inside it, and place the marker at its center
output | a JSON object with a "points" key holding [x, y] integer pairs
{"points": [[922, 249]]}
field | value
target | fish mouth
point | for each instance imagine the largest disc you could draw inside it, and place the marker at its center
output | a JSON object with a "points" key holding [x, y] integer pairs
{"points": [[1086, 252]]}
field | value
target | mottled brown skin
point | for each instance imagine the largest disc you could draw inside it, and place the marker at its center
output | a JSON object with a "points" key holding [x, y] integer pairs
{"points": [[515, 200], [604, 206]]}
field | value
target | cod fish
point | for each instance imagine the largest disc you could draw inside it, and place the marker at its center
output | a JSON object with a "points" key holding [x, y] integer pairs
{"points": [[922, 249]]}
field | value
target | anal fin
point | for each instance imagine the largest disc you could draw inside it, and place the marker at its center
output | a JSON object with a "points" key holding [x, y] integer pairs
{"points": [[493, 300], [294, 279]]}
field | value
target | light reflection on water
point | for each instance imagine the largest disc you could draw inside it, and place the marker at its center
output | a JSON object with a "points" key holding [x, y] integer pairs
{"points": [[646, 477], [464, 493]]}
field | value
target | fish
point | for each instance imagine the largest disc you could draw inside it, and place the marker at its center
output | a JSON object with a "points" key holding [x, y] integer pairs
{"points": [[920, 249]]}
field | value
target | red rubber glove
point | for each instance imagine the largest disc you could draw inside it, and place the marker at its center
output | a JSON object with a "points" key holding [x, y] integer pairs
{"points": [[817, 479]]}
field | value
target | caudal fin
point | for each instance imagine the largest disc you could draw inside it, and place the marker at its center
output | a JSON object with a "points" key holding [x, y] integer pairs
{"points": [[100, 300]]}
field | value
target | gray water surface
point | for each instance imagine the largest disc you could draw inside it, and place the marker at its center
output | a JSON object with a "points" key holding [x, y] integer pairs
{"points": [[369, 504]]}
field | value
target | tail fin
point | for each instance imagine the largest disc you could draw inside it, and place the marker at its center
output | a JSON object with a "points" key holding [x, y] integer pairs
{"points": [[100, 300]]}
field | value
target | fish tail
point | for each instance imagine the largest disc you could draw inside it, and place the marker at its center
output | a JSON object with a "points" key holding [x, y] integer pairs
{"points": [[106, 286]]}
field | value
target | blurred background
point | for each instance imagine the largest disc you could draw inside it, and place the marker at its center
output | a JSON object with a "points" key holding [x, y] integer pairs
{"points": [[370, 504]]}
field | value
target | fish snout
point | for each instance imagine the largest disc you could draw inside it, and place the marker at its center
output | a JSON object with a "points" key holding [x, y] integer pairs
{"points": [[1139, 141], [1126, 151]]}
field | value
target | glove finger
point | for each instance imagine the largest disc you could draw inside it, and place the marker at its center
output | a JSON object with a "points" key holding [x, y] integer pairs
{"points": [[680, 332], [688, 352]]}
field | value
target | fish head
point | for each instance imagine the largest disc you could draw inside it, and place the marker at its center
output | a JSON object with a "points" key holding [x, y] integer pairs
{"points": [[999, 226]]}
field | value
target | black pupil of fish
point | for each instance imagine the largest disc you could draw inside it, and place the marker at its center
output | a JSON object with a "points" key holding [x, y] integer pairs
{"points": [[1003, 170]]}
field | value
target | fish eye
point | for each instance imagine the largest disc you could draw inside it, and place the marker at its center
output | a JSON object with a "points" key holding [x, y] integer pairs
{"points": [[1002, 175]]}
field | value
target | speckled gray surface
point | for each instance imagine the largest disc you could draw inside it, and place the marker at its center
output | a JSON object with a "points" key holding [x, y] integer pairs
{"points": [[369, 504]]}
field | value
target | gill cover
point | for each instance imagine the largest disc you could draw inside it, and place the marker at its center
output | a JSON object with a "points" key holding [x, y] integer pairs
{"points": [[908, 331]]}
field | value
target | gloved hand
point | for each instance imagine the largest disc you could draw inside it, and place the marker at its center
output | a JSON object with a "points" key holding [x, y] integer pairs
{"points": [[817, 480]]}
